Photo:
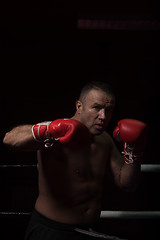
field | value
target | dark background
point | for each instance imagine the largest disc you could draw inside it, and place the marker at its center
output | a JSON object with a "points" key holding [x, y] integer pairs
{"points": [[45, 60]]}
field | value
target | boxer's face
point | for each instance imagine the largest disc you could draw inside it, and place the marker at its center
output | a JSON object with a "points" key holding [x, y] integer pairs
{"points": [[96, 111]]}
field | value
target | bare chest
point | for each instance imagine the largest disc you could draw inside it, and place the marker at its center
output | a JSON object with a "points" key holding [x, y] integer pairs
{"points": [[90, 165], [76, 166], [73, 175]]}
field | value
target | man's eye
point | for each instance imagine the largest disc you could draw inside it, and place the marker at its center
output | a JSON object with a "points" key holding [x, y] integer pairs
{"points": [[108, 110], [97, 107]]}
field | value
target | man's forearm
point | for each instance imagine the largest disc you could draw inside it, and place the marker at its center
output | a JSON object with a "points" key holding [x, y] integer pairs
{"points": [[129, 176], [21, 138]]}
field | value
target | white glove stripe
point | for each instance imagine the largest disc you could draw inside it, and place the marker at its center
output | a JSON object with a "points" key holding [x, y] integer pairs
{"points": [[33, 133], [38, 138]]}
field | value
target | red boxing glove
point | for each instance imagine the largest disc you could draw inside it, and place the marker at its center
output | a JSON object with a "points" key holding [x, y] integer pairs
{"points": [[69, 132], [133, 134]]}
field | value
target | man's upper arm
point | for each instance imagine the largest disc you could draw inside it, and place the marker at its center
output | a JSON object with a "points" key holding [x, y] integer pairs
{"points": [[116, 162]]}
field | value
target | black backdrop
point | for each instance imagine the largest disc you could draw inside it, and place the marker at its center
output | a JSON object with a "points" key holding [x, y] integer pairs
{"points": [[45, 60]]}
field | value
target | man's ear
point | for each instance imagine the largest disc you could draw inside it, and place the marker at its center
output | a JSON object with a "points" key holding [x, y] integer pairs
{"points": [[79, 106]]}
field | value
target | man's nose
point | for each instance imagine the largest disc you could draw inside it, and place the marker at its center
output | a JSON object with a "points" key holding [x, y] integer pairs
{"points": [[102, 114]]}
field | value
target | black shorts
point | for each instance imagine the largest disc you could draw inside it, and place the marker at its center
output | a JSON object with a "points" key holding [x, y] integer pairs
{"points": [[42, 228]]}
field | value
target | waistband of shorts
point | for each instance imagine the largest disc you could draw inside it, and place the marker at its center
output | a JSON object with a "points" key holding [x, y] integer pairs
{"points": [[39, 218]]}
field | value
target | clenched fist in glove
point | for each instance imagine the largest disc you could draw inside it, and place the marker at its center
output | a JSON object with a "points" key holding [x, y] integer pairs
{"points": [[68, 132], [133, 134]]}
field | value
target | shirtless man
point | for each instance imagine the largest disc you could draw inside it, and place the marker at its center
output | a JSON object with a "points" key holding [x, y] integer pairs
{"points": [[73, 157]]}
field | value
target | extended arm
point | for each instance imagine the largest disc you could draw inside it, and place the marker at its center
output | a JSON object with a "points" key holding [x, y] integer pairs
{"points": [[68, 132], [21, 138]]}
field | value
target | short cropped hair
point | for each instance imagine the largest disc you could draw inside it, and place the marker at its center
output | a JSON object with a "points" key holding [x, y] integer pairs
{"points": [[103, 86]]}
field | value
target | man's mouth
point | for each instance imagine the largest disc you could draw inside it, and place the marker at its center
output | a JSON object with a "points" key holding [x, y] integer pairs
{"points": [[99, 126]]}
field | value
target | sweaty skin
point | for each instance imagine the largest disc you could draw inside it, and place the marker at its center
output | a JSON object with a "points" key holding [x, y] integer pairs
{"points": [[71, 181]]}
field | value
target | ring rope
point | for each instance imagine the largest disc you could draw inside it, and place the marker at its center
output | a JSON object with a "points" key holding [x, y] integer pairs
{"points": [[15, 213], [110, 214], [144, 167], [18, 166], [131, 214], [150, 167]]}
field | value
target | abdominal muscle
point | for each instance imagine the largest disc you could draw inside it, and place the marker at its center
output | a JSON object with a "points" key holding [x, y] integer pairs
{"points": [[68, 195], [82, 213]]}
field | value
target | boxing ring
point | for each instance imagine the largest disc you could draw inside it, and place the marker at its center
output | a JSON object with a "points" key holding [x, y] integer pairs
{"points": [[106, 215], [109, 214]]}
